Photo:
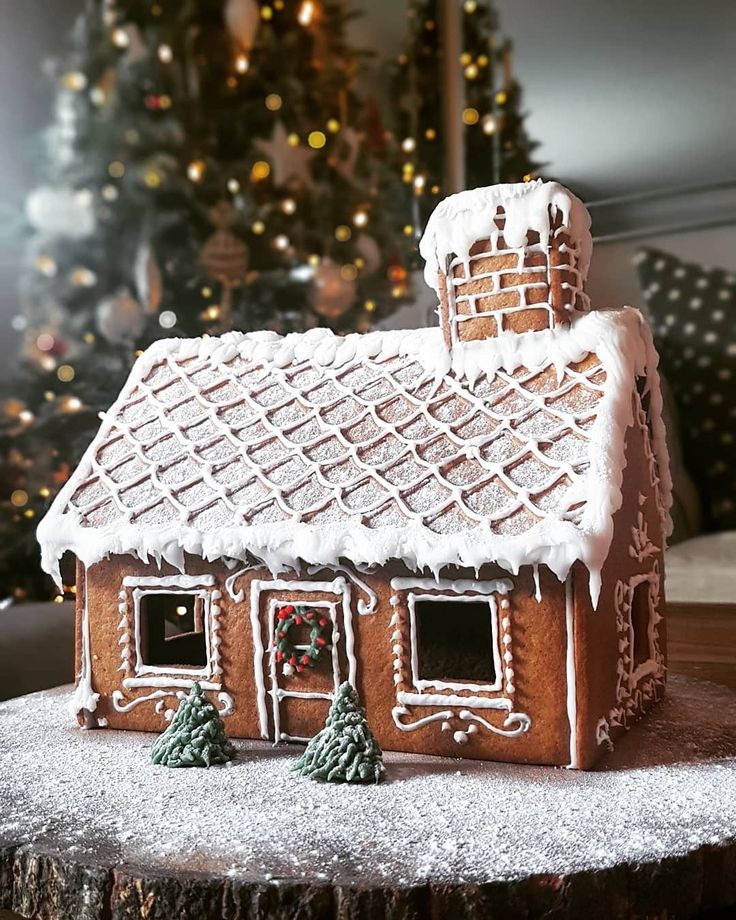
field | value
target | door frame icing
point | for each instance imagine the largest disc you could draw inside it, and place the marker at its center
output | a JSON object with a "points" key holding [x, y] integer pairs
{"points": [[339, 587]]}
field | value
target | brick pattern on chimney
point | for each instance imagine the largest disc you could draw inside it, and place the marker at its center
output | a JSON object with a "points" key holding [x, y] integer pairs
{"points": [[518, 290]]}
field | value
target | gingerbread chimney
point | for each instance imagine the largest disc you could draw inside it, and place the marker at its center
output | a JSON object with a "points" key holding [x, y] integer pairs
{"points": [[507, 258]]}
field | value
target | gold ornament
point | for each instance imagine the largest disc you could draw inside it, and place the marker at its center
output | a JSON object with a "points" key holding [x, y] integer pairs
{"points": [[225, 257], [332, 294]]}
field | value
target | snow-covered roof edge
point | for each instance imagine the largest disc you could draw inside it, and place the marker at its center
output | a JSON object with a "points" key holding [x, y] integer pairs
{"points": [[462, 219], [621, 339]]}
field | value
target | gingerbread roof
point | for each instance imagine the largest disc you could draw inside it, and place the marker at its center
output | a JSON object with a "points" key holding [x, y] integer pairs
{"points": [[368, 448]]}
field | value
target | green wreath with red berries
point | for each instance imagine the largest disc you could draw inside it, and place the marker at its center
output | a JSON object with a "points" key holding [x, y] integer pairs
{"points": [[286, 654]]}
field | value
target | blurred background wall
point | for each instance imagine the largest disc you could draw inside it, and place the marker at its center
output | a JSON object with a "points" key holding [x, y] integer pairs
{"points": [[623, 96]]}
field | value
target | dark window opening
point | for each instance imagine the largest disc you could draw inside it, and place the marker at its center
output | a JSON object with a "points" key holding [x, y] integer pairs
{"points": [[172, 630], [454, 641], [640, 623]]}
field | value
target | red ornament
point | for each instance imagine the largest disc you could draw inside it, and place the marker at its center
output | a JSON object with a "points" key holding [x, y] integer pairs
{"points": [[279, 657], [310, 615], [323, 622], [292, 660], [300, 668], [288, 610], [320, 641], [152, 101], [281, 634], [298, 621], [305, 659]]}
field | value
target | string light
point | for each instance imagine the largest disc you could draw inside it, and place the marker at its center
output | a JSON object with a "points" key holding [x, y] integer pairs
{"points": [[266, 13], [212, 312], [83, 277], [348, 272], [489, 124], [26, 417], [46, 265], [281, 242], [116, 169], [74, 81], [89, 337], [333, 125], [470, 6], [408, 230], [316, 140], [293, 140], [370, 306], [45, 341], [313, 260], [164, 101], [359, 262], [44, 492], [29, 513], [471, 71], [501, 97], [288, 205], [97, 95], [407, 172], [306, 13], [65, 373], [360, 218], [165, 54], [343, 233], [109, 192], [120, 38], [167, 319], [408, 145], [470, 116], [242, 63], [196, 170], [527, 178], [49, 396], [233, 186], [258, 227], [19, 498], [430, 134], [419, 183], [482, 60], [71, 404], [260, 170], [152, 178], [273, 102]]}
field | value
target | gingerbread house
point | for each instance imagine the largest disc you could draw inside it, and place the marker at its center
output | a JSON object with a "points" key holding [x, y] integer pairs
{"points": [[465, 522]]}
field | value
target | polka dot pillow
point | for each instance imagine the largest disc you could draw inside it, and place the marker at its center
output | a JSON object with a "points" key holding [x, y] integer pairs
{"points": [[693, 315]]}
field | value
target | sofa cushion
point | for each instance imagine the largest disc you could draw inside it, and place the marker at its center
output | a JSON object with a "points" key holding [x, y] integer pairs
{"points": [[693, 313]]}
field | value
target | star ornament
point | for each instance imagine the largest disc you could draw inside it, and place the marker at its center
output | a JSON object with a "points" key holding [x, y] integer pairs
{"points": [[289, 164]]}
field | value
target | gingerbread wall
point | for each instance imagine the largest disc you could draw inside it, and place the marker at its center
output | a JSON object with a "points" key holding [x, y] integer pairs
{"points": [[607, 701], [532, 646]]}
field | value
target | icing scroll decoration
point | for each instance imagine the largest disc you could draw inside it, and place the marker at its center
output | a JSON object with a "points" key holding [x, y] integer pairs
{"points": [[364, 606], [635, 685], [450, 698]]}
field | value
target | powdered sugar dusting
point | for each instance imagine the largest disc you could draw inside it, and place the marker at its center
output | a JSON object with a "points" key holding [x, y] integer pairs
{"points": [[668, 789]]}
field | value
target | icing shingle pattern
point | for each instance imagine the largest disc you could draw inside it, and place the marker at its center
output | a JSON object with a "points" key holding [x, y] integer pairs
{"points": [[211, 443]]}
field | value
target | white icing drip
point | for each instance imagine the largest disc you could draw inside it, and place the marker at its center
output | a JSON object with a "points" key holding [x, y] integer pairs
{"points": [[463, 219], [364, 607], [537, 588], [84, 696], [571, 674], [619, 338]]}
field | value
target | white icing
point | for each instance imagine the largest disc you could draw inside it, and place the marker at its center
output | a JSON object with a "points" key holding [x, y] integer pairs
{"points": [[537, 588], [463, 219], [571, 673], [84, 696], [364, 607], [619, 338]]}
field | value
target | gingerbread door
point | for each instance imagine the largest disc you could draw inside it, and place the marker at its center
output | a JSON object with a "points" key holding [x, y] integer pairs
{"points": [[303, 651]]}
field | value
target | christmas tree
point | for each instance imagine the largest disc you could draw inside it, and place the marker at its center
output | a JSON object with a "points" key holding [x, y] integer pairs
{"points": [[210, 166], [196, 736], [487, 125], [345, 751]]}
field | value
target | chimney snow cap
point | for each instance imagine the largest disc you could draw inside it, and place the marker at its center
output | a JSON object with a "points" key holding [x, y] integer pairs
{"points": [[467, 217]]}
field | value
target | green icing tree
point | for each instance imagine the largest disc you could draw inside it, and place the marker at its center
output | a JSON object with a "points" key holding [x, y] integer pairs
{"points": [[196, 736], [345, 751]]}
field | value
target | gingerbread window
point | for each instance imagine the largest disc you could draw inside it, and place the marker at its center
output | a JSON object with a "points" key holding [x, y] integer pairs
{"points": [[454, 643], [174, 628]]}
